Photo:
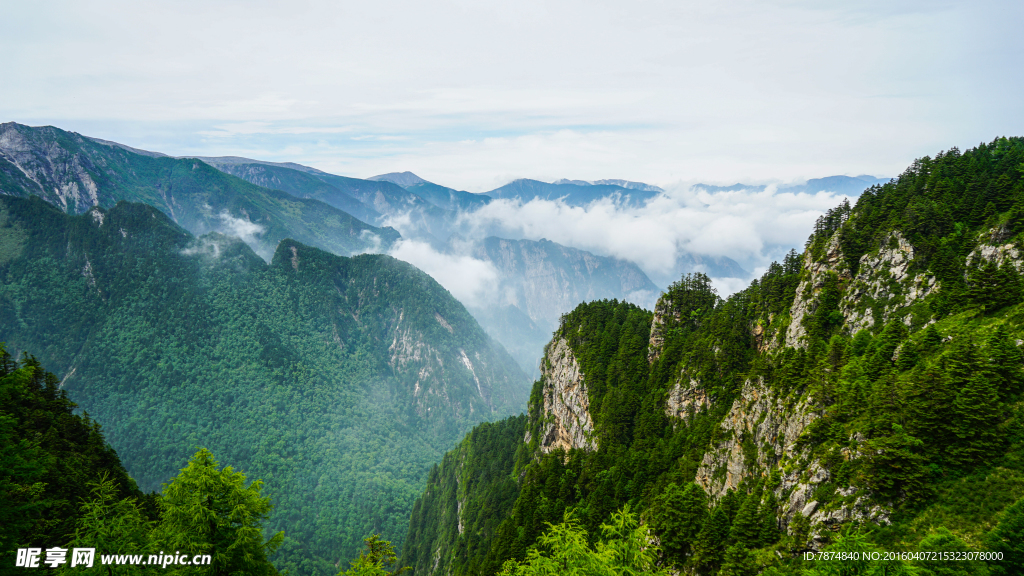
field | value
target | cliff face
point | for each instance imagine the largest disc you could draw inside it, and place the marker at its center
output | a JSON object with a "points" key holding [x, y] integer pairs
{"points": [[567, 423], [759, 432], [886, 286]]}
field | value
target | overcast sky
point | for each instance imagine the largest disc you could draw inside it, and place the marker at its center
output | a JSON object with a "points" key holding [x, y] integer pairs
{"points": [[472, 94]]}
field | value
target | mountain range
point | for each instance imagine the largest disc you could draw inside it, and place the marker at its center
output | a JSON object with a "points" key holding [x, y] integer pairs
{"points": [[338, 381], [864, 396]]}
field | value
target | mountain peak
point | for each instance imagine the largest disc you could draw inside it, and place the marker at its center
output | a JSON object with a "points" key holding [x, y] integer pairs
{"points": [[627, 184], [403, 179]]}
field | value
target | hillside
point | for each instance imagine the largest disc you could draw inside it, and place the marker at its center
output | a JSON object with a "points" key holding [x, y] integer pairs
{"points": [[863, 396], [338, 381], [380, 201], [75, 173]]}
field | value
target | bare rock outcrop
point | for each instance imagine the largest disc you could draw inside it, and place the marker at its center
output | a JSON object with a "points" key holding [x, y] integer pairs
{"points": [[807, 291], [761, 420], [882, 276], [567, 423], [686, 398], [993, 248]]}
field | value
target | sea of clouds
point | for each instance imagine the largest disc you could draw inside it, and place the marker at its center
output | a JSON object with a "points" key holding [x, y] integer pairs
{"points": [[751, 226]]}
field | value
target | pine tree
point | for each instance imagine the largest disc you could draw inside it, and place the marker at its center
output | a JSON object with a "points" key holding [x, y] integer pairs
{"points": [[1005, 361], [677, 516], [745, 530], [894, 466], [376, 560], [711, 542], [206, 510], [769, 531], [977, 415]]}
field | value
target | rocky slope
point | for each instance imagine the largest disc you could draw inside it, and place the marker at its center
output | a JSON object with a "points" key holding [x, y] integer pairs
{"points": [[873, 380], [75, 173], [566, 424]]}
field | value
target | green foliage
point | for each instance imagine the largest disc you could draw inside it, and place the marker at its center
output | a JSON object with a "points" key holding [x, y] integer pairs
{"points": [[338, 381], [376, 560], [50, 460], [677, 516], [1008, 538], [206, 510], [564, 549], [112, 525]]}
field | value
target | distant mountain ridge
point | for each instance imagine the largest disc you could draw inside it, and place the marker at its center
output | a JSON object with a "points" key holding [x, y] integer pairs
{"points": [[570, 192], [75, 173], [850, 185], [403, 179], [538, 281], [613, 182]]}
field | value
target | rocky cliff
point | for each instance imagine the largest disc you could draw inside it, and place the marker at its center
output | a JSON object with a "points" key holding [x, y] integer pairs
{"points": [[567, 423]]}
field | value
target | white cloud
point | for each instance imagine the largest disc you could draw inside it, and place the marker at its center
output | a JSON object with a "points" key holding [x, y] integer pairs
{"points": [[471, 281], [479, 91], [752, 227], [240, 227]]}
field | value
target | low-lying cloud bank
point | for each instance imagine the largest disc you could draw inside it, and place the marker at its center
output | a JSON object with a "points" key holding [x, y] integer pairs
{"points": [[471, 281], [751, 226]]}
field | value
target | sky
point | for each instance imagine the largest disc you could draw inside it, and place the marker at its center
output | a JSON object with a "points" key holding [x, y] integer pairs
{"points": [[473, 94]]}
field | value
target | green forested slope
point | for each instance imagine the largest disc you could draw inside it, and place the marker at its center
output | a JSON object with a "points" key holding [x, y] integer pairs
{"points": [[63, 487], [338, 381], [74, 173], [48, 458], [890, 352]]}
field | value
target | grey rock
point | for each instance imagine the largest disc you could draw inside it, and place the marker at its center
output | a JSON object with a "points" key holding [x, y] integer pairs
{"points": [[567, 422]]}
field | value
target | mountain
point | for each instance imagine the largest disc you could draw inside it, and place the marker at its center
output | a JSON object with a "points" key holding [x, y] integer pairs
{"points": [[298, 183], [576, 193], [613, 182], [539, 281], [440, 196], [76, 173], [381, 202], [449, 198], [864, 396], [337, 381], [848, 185], [403, 179]]}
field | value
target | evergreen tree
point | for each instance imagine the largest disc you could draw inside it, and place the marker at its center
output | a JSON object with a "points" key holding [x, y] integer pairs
{"points": [[111, 525], [1008, 537], [746, 528], [677, 516], [977, 414], [375, 561], [1005, 361], [709, 551], [769, 530], [894, 468], [739, 561], [207, 510]]}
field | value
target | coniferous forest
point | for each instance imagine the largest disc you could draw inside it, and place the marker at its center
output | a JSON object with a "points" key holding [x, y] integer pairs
{"points": [[862, 397], [859, 409]]}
